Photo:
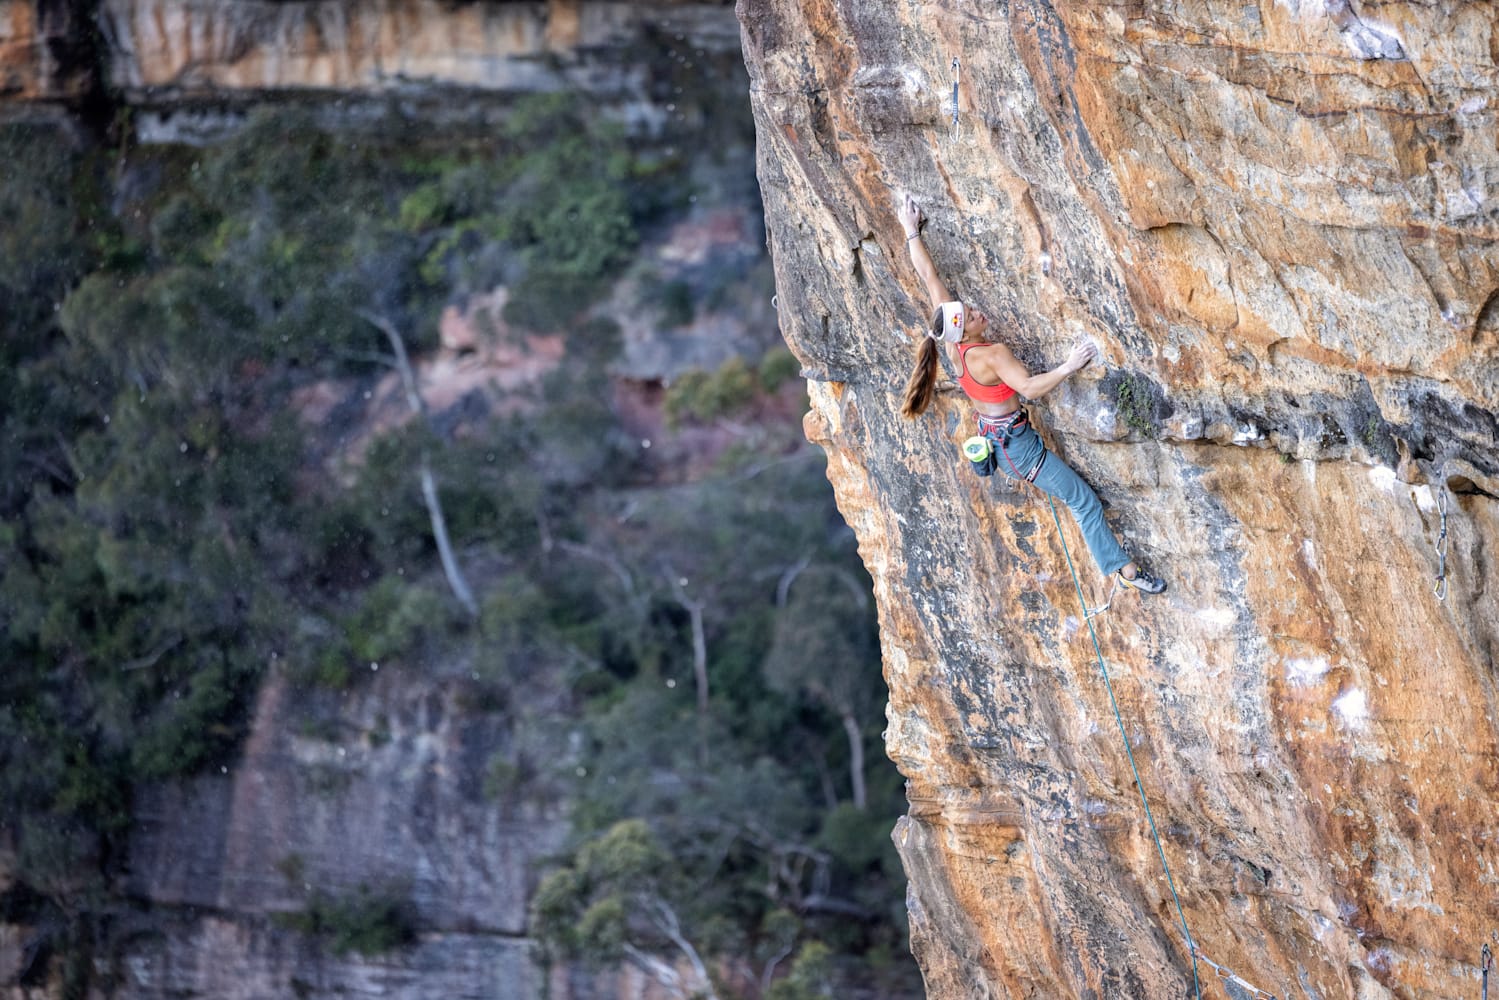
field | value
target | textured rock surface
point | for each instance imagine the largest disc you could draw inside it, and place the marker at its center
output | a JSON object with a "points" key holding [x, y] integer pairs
{"points": [[187, 68], [384, 794], [42, 52], [1279, 222], [189, 48], [391, 794]]}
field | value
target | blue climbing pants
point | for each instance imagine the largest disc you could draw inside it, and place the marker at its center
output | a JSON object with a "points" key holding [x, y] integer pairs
{"points": [[1022, 454]]}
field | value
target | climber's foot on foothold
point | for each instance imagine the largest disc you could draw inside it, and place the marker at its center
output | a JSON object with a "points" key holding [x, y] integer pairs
{"points": [[1143, 582]]}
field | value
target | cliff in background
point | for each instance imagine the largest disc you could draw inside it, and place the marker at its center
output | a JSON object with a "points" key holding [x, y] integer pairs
{"points": [[387, 789], [182, 66], [1278, 221]]}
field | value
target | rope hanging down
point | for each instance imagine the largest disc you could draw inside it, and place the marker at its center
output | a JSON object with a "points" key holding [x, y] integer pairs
{"points": [[1139, 785], [1222, 973]]}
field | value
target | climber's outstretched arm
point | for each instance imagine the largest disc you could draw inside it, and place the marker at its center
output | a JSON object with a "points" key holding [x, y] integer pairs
{"points": [[910, 221], [1017, 376]]}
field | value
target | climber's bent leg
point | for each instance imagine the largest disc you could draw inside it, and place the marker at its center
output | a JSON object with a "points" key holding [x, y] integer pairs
{"points": [[1057, 479]]}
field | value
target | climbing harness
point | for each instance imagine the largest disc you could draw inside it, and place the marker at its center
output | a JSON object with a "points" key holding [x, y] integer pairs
{"points": [[1485, 963], [1440, 588], [956, 76]]}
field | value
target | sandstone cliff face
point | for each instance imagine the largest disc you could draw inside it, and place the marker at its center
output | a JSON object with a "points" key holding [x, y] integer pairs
{"points": [[189, 68], [389, 798], [43, 56], [166, 48], [1278, 221], [164, 52]]}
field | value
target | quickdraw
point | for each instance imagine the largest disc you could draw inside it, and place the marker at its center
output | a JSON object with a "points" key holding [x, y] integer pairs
{"points": [[1229, 976], [1485, 963], [1107, 601], [956, 76], [1440, 587]]}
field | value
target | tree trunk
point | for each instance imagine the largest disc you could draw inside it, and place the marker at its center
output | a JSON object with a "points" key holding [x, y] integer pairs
{"points": [[855, 758], [694, 611], [700, 676], [666, 921], [699, 655], [450, 568]]}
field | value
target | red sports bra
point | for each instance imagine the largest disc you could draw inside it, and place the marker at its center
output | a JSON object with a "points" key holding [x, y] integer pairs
{"points": [[975, 389]]}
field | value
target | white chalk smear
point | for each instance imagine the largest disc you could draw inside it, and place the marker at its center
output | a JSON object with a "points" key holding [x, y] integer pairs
{"points": [[1306, 670], [1352, 707], [1216, 616], [1383, 477]]}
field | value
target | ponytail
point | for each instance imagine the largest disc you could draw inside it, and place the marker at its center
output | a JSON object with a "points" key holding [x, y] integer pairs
{"points": [[922, 385]]}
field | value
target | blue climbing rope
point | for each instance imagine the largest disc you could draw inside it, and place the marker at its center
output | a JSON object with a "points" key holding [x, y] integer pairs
{"points": [[1139, 785], [1223, 973]]}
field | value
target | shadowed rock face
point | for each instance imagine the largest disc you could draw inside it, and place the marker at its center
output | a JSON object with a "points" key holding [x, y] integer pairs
{"points": [[1278, 222]]}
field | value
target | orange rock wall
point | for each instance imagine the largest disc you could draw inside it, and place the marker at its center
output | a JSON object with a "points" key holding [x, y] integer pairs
{"points": [[166, 52], [173, 48], [1278, 221]]}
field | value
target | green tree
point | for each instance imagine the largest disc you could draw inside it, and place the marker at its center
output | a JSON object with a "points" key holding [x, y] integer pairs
{"points": [[824, 646], [615, 900]]}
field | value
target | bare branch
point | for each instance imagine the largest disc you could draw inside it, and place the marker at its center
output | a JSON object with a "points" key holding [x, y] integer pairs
{"points": [[403, 361], [661, 969], [783, 588], [151, 658], [373, 357], [802, 453], [450, 566], [770, 967], [849, 581], [620, 571], [665, 919], [832, 904]]}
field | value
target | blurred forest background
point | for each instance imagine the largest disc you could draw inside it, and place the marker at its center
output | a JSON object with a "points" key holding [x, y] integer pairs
{"points": [[331, 419]]}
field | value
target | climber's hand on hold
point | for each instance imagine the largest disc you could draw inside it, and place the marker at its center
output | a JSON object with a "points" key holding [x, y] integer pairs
{"points": [[910, 214], [911, 221], [1083, 352]]}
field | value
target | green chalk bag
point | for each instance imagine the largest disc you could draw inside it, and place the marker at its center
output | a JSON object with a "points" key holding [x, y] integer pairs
{"points": [[979, 451]]}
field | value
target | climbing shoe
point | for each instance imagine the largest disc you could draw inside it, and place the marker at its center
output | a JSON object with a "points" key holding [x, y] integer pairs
{"points": [[1143, 582]]}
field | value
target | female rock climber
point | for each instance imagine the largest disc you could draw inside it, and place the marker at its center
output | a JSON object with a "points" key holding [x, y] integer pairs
{"points": [[992, 377]]}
